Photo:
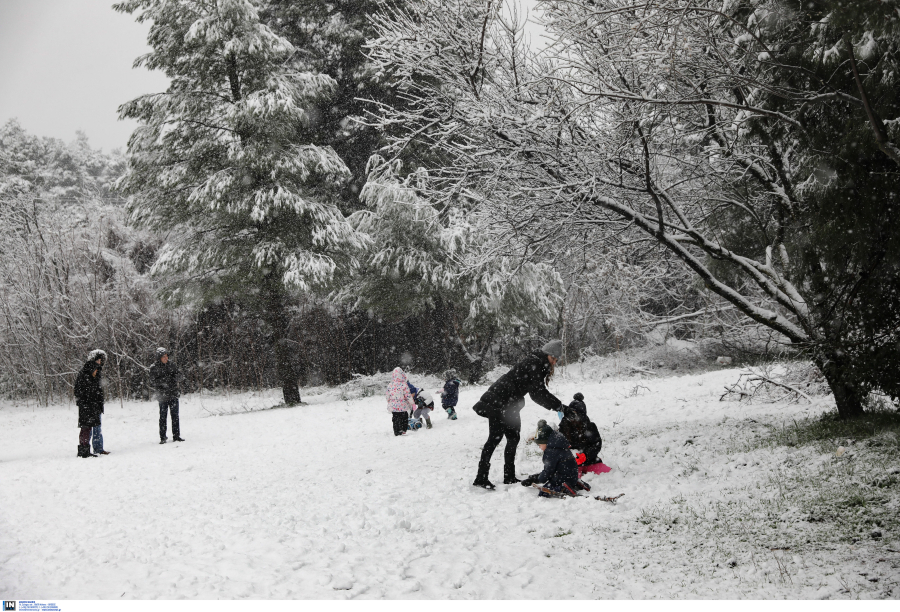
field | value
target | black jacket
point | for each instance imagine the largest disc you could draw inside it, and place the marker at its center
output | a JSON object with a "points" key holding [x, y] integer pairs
{"points": [[578, 428], [526, 377], [164, 379], [89, 395], [559, 463]]}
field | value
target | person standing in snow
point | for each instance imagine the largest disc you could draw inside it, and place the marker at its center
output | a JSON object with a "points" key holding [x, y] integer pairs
{"points": [[450, 393], [400, 401], [164, 377], [502, 403], [560, 469], [89, 399]]}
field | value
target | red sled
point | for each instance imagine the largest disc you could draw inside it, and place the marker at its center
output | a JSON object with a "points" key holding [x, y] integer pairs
{"points": [[594, 468]]}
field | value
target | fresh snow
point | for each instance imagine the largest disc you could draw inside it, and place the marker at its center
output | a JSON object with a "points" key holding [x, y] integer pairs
{"points": [[321, 501]]}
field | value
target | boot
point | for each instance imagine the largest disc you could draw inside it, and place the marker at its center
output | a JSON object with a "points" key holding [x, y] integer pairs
{"points": [[84, 451], [509, 474], [481, 480], [177, 439], [427, 423]]}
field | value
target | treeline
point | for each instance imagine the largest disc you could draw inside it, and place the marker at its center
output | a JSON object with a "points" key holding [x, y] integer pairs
{"points": [[76, 276]]}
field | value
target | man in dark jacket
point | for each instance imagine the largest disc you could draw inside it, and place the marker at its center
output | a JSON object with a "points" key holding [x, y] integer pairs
{"points": [[164, 378], [89, 399], [504, 400], [581, 433], [560, 470]]}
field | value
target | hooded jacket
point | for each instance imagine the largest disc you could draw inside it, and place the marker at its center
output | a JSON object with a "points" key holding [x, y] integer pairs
{"points": [[526, 377], [89, 394], [559, 463], [450, 393], [399, 398]]}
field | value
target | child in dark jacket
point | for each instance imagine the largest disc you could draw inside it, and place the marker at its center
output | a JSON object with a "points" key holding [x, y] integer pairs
{"points": [[581, 433], [450, 393], [560, 470]]}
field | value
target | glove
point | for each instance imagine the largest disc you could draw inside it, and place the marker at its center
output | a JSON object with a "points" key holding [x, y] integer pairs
{"points": [[580, 458], [527, 482]]}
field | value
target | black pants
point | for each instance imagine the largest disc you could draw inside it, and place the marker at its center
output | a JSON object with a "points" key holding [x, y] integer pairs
{"points": [[506, 422], [400, 421], [164, 407]]}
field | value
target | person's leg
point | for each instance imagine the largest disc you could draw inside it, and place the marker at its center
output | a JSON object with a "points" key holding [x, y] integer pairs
{"points": [[84, 442], [512, 425], [509, 456], [98, 439], [495, 434], [163, 413], [176, 426], [398, 422]]}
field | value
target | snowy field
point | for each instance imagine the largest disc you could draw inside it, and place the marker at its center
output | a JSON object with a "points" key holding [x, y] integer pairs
{"points": [[322, 501]]}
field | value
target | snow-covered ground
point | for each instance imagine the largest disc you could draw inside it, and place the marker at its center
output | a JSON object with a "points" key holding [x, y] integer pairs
{"points": [[322, 501]]}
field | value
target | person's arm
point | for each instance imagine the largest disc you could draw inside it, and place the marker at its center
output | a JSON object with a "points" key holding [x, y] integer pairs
{"points": [[154, 378], [544, 398], [544, 476]]}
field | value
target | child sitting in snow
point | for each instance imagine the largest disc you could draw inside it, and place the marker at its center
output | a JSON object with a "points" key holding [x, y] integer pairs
{"points": [[581, 433], [400, 401], [560, 470], [450, 393]]}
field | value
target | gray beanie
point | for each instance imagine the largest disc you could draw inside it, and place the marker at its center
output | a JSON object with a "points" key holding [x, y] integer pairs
{"points": [[160, 352], [554, 347], [543, 433]]}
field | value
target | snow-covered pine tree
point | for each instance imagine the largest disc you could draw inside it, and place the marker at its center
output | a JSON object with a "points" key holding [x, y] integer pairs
{"points": [[224, 162]]}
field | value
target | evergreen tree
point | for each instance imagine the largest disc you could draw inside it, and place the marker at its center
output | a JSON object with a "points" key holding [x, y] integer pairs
{"points": [[226, 161]]}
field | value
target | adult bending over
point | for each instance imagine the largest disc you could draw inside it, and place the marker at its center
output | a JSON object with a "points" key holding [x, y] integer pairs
{"points": [[504, 400]]}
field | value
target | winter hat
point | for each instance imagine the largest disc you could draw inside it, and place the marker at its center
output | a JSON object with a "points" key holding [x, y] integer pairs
{"points": [[554, 347], [160, 352], [450, 375], [97, 354], [579, 397], [543, 433]]}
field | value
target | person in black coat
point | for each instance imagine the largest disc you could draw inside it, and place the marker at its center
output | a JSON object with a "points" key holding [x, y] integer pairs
{"points": [[502, 403], [581, 433], [89, 399], [560, 469], [164, 377]]}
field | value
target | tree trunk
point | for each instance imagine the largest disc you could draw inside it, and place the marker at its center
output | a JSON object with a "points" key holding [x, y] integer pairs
{"points": [[276, 316], [848, 395]]}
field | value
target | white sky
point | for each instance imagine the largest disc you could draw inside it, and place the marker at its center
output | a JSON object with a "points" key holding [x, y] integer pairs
{"points": [[65, 65]]}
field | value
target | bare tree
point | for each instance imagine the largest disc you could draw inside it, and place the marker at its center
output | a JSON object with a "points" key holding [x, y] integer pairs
{"points": [[639, 121]]}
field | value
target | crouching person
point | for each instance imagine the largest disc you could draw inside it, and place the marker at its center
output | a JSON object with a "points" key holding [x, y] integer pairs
{"points": [[424, 407], [560, 470]]}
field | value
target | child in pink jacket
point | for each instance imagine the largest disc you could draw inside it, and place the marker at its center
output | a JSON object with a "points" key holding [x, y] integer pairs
{"points": [[400, 401]]}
